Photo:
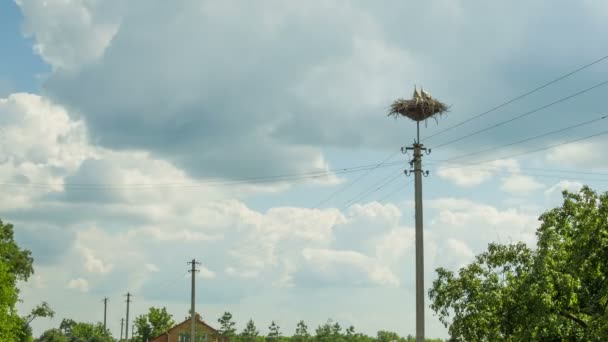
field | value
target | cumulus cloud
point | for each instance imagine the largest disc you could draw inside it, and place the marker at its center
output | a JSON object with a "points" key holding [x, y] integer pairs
{"points": [[91, 24], [468, 176], [147, 99], [520, 184], [478, 224], [586, 154], [330, 267], [79, 284]]}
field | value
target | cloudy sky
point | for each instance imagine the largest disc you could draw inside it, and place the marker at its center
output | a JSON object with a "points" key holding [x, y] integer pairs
{"points": [[137, 135]]}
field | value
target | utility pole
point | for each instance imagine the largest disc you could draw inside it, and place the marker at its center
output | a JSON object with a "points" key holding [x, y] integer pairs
{"points": [[193, 270], [416, 162], [122, 323], [421, 107], [105, 311], [127, 322]]}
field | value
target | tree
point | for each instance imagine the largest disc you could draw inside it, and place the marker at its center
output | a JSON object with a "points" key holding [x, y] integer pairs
{"points": [[143, 329], [156, 322], [250, 333], [88, 332], [10, 322], [329, 331], [387, 336], [72, 331], [274, 332], [227, 328], [19, 261], [52, 335], [559, 291], [16, 264], [302, 334]]}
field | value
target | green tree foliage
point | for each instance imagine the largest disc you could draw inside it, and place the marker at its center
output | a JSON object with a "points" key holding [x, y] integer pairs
{"points": [[227, 328], [19, 261], [250, 333], [558, 291], [53, 335], [10, 322], [301, 334], [156, 322], [16, 264], [329, 331], [72, 331], [274, 332]]}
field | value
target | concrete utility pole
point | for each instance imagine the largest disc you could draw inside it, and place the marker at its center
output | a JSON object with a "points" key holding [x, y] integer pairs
{"points": [[416, 162], [105, 311], [127, 322], [192, 312], [421, 107], [122, 323]]}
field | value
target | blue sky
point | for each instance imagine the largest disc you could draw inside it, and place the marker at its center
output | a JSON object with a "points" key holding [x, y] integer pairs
{"points": [[127, 129]]}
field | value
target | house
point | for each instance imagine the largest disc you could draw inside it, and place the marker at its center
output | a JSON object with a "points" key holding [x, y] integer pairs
{"points": [[181, 332]]}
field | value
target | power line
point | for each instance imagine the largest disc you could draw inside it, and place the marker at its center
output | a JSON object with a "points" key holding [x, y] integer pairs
{"points": [[529, 139], [252, 180], [370, 190], [348, 185], [527, 152], [523, 115], [393, 193], [519, 97]]}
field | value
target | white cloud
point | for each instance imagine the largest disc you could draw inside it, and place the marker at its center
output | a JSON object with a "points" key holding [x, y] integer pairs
{"points": [[468, 176], [206, 273], [79, 284], [92, 263], [478, 224], [563, 185], [520, 184], [151, 267], [90, 25], [580, 153], [347, 266]]}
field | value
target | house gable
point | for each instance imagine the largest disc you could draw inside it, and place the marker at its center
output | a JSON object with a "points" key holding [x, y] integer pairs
{"points": [[181, 332]]}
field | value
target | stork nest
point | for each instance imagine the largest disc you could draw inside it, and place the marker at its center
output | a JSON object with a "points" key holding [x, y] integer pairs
{"points": [[421, 107]]}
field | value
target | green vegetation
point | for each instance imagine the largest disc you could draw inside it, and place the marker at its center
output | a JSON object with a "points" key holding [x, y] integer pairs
{"points": [[152, 324], [556, 292], [16, 264]]}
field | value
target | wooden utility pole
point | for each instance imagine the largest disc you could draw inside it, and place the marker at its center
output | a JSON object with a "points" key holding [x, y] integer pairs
{"points": [[122, 323], [193, 270], [105, 311], [127, 321]]}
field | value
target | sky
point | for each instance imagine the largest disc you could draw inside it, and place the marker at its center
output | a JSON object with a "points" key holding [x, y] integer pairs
{"points": [[253, 137]]}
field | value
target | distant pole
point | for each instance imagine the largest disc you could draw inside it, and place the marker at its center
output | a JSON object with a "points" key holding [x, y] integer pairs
{"points": [[122, 322], [127, 322], [193, 270], [105, 311]]}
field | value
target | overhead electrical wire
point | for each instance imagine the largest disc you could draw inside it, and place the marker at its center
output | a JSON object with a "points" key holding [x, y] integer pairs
{"points": [[585, 123], [374, 188], [485, 129], [519, 97], [265, 179], [351, 183], [462, 165]]}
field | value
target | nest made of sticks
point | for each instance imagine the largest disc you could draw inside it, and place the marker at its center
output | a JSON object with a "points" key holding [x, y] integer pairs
{"points": [[421, 107]]}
